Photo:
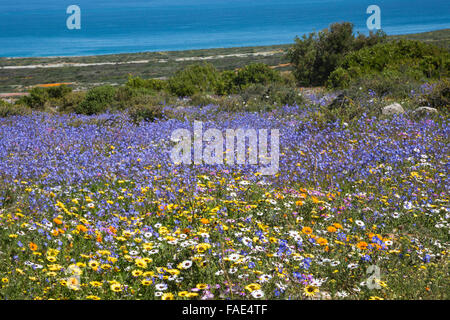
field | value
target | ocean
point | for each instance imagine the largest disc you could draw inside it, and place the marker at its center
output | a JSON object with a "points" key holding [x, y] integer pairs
{"points": [[30, 28]]}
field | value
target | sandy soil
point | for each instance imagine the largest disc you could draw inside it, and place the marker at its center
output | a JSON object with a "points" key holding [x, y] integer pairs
{"points": [[61, 65]]}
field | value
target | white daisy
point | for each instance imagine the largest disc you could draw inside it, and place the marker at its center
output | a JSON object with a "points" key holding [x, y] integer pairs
{"points": [[257, 294], [147, 235], [161, 287], [360, 223], [265, 277], [186, 264]]}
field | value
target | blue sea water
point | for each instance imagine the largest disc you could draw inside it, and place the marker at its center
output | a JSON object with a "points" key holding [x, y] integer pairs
{"points": [[38, 27]]}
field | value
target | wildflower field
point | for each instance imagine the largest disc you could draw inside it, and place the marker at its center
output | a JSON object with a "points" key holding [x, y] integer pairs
{"points": [[92, 207]]}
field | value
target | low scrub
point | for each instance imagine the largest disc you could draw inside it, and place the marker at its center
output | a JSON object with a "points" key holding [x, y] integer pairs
{"points": [[273, 95], [406, 58], [8, 110], [317, 55], [40, 98], [195, 79], [438, 97], [97, 100], [139, 113], [69, 102], [386, 84], [152, 84]]}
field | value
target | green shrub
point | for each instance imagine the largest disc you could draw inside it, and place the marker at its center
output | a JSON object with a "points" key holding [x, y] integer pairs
{"points": [[195, 79], [387, 84], [36, 99], [256, 74], [439, 97], [227, 85], [126, 94], [151, 100], [288, 79], [59, 91], [283, 95], [39, 97], [8, 110], [374, 38], [231, 104], [339, 79], [152, 84], [69, 102], [140, 113], [317, 55], [349, 112], [271, 95], [201, 100], [413, 59], [97, 100]]}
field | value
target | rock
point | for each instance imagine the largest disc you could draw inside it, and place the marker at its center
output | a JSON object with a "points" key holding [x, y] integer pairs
{"points": [[394, 108], [340, 101], [425, 110]]}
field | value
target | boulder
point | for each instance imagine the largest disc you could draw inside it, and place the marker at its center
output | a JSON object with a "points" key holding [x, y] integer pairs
{"points": [[394, 108], [425, 111], [340, 101]]}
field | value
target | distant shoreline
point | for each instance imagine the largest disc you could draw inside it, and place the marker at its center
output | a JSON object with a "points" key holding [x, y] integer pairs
{"points": [[184, 50], [145, 52]]}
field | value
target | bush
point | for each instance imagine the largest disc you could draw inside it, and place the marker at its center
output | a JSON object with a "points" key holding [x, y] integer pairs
{"points": [[152, 84], [339, 79], [439, 97], [126, 95], [8, 110], [231, 104], [271, 95], [387, 84], [288, 79], [140, 113], [413, 59], [97, 100], [317, 55], [195, 79], [150, 100], [201, 100], [69, 102], [38, 97], [352, 112], [59, 91], [256, 74], [227, 83], [283, 95]]}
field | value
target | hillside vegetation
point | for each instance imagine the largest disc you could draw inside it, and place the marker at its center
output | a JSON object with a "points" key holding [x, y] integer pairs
{"points": [[153, 64]]}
